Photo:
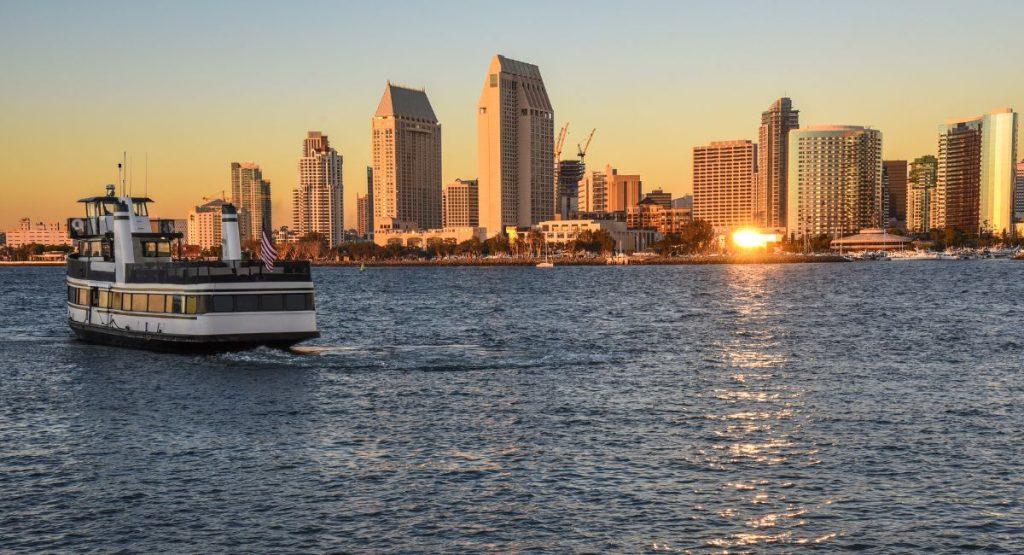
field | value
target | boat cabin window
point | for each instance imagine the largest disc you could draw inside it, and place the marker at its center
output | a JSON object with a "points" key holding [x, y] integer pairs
{"points": [[139, 208], [99, 208], [97, 248], [152, 249], [160, 303]]}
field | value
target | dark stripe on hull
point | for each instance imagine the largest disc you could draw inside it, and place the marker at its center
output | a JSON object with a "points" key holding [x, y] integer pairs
{"points": [[186, 343]]}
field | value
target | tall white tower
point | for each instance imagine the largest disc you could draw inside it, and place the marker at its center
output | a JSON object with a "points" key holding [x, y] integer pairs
{"points": [[515, 147]]}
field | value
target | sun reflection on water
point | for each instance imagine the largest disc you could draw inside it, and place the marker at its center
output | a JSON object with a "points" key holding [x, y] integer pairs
{"points": [[756, 421]]}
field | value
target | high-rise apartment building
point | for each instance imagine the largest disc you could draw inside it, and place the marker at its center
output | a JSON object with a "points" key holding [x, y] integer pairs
{"points": [[724, 173], [593, 193], [1018, 193], [835, 180], [317, 201], [921, 204], [770, 206], [515, 147], [623, 191], [369, 199], [363, 211], [974, 185], [250, 194], [406, 161], [894, 185], [462, 203], [660, 197], [203, 227]]}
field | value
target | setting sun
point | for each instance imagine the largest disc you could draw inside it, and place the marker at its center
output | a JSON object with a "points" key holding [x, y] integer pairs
{"points": [[753, 239]]}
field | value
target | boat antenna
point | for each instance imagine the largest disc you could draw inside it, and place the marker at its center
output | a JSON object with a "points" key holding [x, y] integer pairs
{"points": [[146, 192]]}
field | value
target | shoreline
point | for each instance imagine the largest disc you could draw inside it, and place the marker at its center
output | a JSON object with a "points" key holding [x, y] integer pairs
{"points": [[564, 261], [557, 261]]}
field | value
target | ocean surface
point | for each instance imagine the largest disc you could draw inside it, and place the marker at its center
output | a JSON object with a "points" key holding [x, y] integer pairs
{"points": [[872, 406]]}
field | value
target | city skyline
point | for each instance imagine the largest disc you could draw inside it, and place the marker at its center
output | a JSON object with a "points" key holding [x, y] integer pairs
{"points": [[187, 111]]}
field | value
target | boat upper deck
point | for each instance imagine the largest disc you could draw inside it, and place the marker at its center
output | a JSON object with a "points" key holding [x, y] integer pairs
{"points": [[193, 272]]}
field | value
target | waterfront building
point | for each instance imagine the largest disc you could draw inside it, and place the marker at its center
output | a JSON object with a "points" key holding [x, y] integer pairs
{"points": [[649, 214], [569, 173], [723, 183], [660, 197], [515, 147], [894, 186], [562, 232], [835, 180], [921, 203], [363, 218], [622, 191], [406, 160], [203, 226], [871, 239], [462, 203], [318, 199], [1018, 193], [422, 238], [369, 199], [284, 234], [40, 233], [593, 193], [770, 197], [976, 172], [250, 194]]}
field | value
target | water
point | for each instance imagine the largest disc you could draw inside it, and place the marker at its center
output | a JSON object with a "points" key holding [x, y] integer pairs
{"points": [[867, 406]]}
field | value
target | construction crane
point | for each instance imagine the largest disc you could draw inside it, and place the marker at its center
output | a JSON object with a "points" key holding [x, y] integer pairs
{"points": [[582, 150], [223, 196], [561, 141]]}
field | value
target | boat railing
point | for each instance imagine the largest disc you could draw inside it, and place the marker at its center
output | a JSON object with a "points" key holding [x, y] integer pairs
{"points": [[84, 269], [189, 272], [203, 271]]}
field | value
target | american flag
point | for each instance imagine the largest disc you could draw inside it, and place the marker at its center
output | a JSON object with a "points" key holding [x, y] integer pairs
{"points": [[268, 254]]}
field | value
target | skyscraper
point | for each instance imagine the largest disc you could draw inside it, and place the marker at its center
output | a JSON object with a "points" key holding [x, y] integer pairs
{"points": [[406, 160], [250, 194], [724, 173], [515, 147], [770, 206], [835, 180], [921, 205], [363, 215], [317, 201], [1018, 193], [462, 203], [623, 191], [974, 185], [369, 199], [894, 184]]}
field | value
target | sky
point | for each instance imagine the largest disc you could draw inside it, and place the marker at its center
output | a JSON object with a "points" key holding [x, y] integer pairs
{"points": [[193, 86]]}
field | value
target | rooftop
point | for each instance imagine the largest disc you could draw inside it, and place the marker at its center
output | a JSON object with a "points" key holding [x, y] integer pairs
{"points": [[403, 101]]}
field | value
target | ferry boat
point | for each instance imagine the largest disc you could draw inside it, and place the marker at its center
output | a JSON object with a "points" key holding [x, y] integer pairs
{"points": [[125, 288]]}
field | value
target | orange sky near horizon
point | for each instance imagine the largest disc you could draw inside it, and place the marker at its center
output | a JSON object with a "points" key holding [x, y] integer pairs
{"points": [[85, 82]]}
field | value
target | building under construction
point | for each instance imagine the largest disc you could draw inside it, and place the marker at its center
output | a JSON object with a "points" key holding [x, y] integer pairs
{"points": [[568, 174]]}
